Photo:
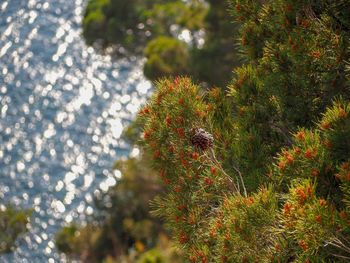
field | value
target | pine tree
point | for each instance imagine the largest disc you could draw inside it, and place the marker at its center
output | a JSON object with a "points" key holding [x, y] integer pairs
{"points": [[263, 174]]}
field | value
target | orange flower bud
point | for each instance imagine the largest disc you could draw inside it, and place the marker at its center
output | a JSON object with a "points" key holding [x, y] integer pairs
{"points": [[168, 120], [297, 150], [146, 135], [322, 202], [159, 98], [238, 7], [210, 107], [325, 125], [305, 23], [281, 165], [166, 181], [287, 207], [290, 159], [212, 233], [218, 224], [309, 154], [316, 54], [181, 207], [181, 132], [343, 215], [157, 154], [195, 156], [301, 194], [183, 238], [310, 191], [318, 219], [303, 245], [300, 135], [193, 258], [278, 247], [192, 220], [200, 114], [171, 149], [144, 111], [241, 110], [315, 172], [342, 113], [208, 181]]}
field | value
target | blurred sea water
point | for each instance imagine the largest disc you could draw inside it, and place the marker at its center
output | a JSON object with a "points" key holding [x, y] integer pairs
{"points": [[62, 111]]}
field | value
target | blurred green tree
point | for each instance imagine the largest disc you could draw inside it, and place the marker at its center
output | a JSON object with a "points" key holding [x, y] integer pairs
{"points": [[13, 223], [154, 28]]}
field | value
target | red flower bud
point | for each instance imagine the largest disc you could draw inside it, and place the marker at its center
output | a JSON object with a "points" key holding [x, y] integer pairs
{"points": [[146, 135], [318, 219], [183, 238], [309, 154], [315, 172], [157, 154], [342, 113], [300, 135], [195, 156], [343, 215], [287, 208], [301, 194], [168, 121], [208, 181], [303, 245], [322, 202]]}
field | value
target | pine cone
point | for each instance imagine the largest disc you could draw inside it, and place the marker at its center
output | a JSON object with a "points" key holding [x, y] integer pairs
{"points": [[201, 139]]}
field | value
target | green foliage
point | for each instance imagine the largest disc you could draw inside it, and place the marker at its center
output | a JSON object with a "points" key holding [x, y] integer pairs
{"points": [[166, 14], [153, 28], [122, 222], [65, 239], [196, 180], [296, 57], [260, 175], [152, 256], [214, 62], [243, 229], [302, 217], [13, 223], [161, 254], [131, 24], [80, 242], [166, 56]]}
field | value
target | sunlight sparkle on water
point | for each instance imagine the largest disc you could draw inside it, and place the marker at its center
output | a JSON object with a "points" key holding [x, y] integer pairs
{"points": [[63, 108]]}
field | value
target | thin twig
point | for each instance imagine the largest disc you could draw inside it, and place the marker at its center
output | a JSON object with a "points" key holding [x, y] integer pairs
{"points": [[340, 256], [240, 176], [340, 246], [235, 168]]}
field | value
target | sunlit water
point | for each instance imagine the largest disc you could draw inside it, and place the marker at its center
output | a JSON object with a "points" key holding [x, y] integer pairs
{"points": [[62, 110]]}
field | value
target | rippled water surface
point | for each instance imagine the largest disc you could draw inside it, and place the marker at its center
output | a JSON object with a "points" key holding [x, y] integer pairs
{"points": [[62, 110]]}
